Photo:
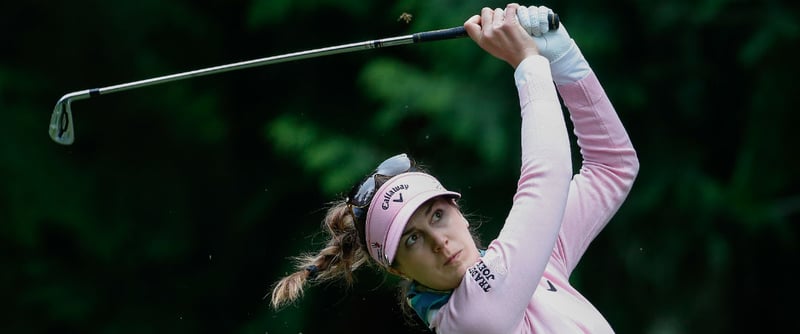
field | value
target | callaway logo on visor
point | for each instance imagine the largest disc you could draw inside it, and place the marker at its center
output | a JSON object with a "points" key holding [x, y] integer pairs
{"points": [[388, 195]]}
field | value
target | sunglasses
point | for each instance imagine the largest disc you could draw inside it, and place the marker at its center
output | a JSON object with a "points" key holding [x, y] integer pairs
{"points": [[361, 195]]}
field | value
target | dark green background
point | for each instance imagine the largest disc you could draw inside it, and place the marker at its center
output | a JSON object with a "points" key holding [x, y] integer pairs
{"points": [[178, 205]]}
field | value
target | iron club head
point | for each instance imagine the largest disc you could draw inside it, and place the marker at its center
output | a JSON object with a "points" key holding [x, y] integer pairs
{"points": [[62, 130]]}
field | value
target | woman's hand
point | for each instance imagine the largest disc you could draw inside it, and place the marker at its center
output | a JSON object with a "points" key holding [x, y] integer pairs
{"points": [[500, 34]]}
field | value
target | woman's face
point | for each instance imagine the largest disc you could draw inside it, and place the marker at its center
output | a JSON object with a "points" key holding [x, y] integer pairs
{"points": [[436, 247]]}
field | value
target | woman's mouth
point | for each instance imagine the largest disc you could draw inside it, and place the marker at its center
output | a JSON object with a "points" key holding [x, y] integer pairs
{"points": [[452, 258]]}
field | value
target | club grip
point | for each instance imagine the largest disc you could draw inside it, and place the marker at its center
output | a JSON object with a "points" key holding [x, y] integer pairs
{"points": [[553, 22], [441, 34]]}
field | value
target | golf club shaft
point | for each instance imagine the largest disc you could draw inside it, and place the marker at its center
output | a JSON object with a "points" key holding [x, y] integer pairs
{"points": [[372, 44], [61, 124]]}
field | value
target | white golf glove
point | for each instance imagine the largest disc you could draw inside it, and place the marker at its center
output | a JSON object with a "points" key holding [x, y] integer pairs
{"points": [[566, 61]]}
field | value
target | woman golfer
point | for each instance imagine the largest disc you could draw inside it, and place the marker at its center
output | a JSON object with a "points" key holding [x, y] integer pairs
{"points": [[407, 223]]}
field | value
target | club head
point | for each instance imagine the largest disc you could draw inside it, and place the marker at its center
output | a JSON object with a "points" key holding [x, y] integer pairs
{"points": [[61, 129]]}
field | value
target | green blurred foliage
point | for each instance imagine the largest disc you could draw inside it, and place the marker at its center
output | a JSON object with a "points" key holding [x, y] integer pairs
{"points": [[179, 205]]}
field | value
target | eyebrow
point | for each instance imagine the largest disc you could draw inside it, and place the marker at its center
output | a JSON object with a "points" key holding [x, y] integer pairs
{"points": [[427, 213]]}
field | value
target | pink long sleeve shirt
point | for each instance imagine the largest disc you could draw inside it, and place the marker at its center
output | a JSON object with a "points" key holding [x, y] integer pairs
{"points": [[521, 284]]}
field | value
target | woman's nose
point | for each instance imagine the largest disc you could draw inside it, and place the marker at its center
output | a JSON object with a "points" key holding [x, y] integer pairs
{"points": [[440, 241]]}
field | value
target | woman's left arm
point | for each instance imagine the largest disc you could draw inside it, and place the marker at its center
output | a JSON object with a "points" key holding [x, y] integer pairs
{"points": [[609, 163], [608, 168]]}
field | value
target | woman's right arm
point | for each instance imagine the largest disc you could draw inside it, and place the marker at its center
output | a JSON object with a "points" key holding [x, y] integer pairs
{"points": [[495, 292]]}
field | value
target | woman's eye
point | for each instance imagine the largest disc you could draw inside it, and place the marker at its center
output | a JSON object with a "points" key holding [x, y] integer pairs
{"points": [[437, 215], [412, 239]]}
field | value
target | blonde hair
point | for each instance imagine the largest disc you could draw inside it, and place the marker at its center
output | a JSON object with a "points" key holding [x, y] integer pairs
{"points": [[342, 255]]}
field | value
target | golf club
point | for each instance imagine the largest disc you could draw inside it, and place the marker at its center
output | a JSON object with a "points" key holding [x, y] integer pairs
{"points": [[62, 126]]}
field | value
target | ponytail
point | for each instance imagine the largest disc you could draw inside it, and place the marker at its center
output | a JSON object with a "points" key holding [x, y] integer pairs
{"points": [[342, 255]]}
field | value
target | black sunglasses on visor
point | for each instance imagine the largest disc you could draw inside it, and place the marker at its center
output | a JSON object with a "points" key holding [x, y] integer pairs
{"points": [[361, 195]]}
